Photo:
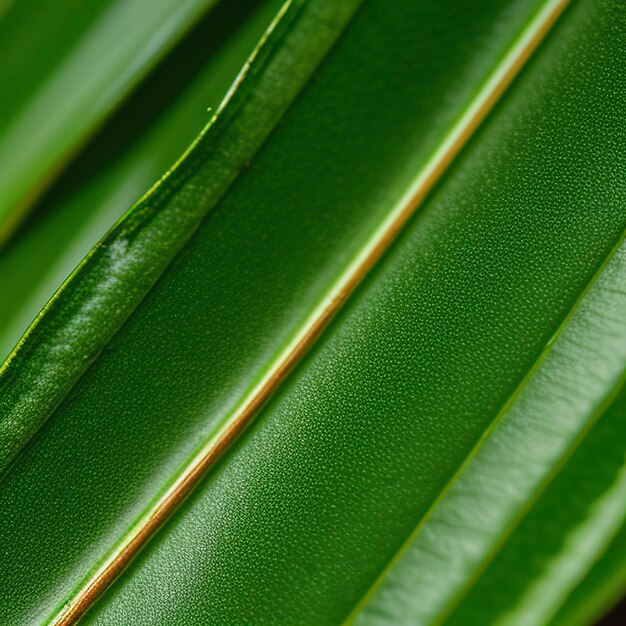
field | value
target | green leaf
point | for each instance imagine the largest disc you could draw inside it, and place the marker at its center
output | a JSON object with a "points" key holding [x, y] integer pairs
{"points": [[560, 538], [120, 165], [475, 518], [116, 275], [601, 588], [476, 357], [310, 507], [65, 66]]}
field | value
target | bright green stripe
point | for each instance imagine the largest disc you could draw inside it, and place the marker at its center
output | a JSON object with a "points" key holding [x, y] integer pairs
{"points": [[144, 138], [65, 66]]}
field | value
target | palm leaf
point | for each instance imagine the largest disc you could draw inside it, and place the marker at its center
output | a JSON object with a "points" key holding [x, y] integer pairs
{"points": [[120, 165], [82, 59], [407, 449]]}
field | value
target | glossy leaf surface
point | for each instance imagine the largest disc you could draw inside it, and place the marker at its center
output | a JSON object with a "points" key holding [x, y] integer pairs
{"points": [[572, 384], [559, 540], [65, 66], [352, 451], [114, 278], [128, 156], [489, 310]]}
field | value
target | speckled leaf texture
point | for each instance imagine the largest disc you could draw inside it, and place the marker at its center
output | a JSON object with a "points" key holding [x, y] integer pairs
{"points": [[358, 357]]}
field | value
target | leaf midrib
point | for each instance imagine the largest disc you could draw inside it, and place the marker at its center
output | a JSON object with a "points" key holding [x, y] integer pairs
{"points": [[494, 87]]}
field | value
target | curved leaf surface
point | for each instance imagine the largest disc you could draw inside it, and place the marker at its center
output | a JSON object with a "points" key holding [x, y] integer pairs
{"points": [[290, 64], [155, 388], [514, 463], [116, 275], [560, 538], [82, 59], [600, 590], [308, 509], [126, 158]]}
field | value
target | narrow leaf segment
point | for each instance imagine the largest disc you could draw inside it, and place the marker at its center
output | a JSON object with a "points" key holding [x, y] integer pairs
{"points": [[108, 285], [377, 245]]}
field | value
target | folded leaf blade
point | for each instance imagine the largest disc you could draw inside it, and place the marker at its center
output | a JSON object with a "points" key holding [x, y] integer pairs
{"points": [[309, 507], [95, 192], [199, 342], [112, 280], [301, 517], [515, 461], [561, 536], [82, 60]]}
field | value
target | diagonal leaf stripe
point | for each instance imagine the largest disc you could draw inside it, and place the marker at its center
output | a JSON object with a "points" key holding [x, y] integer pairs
{"points": [[572, 522], [314, 503], [444, 574], [495, 85], [121, 269], [599, 590]]}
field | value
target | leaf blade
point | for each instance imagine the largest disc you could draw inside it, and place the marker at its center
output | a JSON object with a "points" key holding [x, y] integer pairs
{"points": [[116, 275], [571, 523], [91, 56], [220, 246], [96, 191], [468, 526], [256, 543]]}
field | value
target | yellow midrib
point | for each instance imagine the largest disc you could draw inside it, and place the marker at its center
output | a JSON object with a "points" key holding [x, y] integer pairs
{"points": [[496, 85], [379, 242]]}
